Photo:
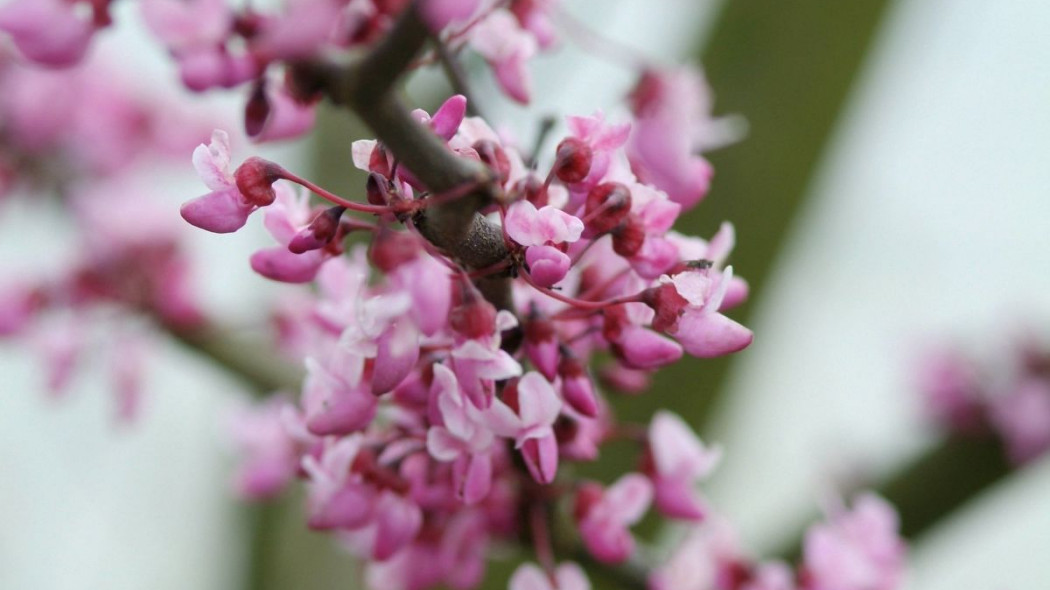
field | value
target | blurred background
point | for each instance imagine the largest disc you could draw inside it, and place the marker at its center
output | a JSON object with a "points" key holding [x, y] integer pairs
{"points": [[891, 194]]}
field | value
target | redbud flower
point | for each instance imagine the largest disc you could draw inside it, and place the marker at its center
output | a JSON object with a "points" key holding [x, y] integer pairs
{"points": [[567, 576], [336, 497], [506, 46], [49, 32], [462, 436], [531, 426], [679, 461], [604, 518], [226, 208], [855, 550]]}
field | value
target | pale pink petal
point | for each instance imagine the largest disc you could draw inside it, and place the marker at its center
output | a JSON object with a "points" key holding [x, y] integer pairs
{"points": [[629, 497], [709, 335], [397, 351], [279, 264], [541, 458], [539, 404], [547, 265], [221, 212]]}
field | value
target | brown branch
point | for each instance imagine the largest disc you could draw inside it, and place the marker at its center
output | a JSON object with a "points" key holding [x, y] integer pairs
{"points": [[255, 365], [367, 87]]}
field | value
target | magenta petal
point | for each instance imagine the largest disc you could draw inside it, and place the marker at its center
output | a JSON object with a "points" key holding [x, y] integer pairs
{"points": [[447, 118], [478, 479], [221, 212], [607, 540], [397, 522], [547, 265], [645, 349], [579, 393], [48, 32], [346, 412], [676, 499], [397, 353], [280, 264], [349, 508], [544, 356], [541, 457], [708, 335], [438, 14], [513, 78]]}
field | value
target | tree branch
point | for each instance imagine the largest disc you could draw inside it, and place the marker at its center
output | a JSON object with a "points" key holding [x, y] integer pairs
{"points": [[367, 87]]}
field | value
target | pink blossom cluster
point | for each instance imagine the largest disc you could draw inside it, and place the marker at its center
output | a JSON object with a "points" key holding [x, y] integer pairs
{"points": [[856, 549], [421, 397], [77, 137], [1010, 399]]}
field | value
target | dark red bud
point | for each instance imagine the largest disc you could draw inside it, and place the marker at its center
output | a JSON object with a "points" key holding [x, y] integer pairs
{"points": [[533, 190], [667, 303], [390, 249], [474, 317], [629, 237], [255, 178], [573, 160], [615, 318], [377, 188], [321, 230], [256, 111], [492, 154], [607, 206], [539, 330]]}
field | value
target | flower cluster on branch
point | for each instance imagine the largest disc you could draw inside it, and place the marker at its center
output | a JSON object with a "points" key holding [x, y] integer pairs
{"points": [[460, 361]]}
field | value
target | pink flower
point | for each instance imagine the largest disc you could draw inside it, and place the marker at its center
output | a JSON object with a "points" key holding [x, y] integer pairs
{"points": [[336, 498], [49, 32], [855, 550], [334, 401], [529, 226], [607, 514], [702, 330], [602, 138], [680, 460], [269, 454], [507, 47], [567, 576], [225, 209], [1022, 417], [480, 362], [187, 24], [531, 426], [673, 122], [289, 215], [439, 14], [463, 436]]}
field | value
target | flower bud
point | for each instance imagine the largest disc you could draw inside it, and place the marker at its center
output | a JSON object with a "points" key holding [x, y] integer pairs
{"points": [[573, 160], [533, 190], [541, 346], [668, 304], [377, 189], [320, 231], [629, 237], [256, 111], [255, 178], [607, 206], [576, 387], [492, 154], [473, 317], [390, 249]]}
